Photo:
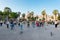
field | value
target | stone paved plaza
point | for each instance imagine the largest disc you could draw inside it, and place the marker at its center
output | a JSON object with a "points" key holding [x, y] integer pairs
{"points": [[37, 33]]}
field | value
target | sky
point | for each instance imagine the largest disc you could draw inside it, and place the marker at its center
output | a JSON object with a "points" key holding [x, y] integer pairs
{"points": [[31, 5]]}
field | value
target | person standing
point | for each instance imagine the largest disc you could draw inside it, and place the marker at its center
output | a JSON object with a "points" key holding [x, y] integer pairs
{"points": [[21, 26], [37, 23], [56, 23], [18, 23], [1, 22], [14, 22], [33, 24], [28, 24], [43, 23], [12, 25], [7, 23], [40, 23]]}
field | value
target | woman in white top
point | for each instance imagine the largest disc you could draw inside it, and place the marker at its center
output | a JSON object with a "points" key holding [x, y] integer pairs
{"points": [[56, 24], [7, 23]]}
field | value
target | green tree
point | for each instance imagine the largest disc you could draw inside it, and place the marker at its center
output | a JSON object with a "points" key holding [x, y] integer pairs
{"points": [[1, 15], [7, 11], [33, 19], [19, 13], [29, 18], [23, 15], [46, 17], [32, 14], [55, 12], [58, 16], [36, 17], [52, 17], [43, 13], [43, 18], [13, 15]]}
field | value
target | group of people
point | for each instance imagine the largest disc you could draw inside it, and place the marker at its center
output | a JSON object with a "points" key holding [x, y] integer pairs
{"points": [[36, 23], [7, 23], [11, 24]]}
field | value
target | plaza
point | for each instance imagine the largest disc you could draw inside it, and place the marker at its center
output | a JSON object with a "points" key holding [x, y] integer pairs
{"points": [[29, 20], [37, 33]]}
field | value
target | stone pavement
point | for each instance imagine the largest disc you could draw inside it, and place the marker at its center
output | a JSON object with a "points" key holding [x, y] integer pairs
{"points": [[37, 33]]}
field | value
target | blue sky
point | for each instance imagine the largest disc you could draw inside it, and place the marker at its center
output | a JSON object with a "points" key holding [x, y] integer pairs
{"points": [[31, 5]]}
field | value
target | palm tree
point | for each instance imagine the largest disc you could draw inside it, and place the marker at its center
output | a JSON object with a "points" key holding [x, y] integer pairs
{"points": [[43, 13], [55, 12], [23, 15], [52, 17], [36, 17], [32, 13], [29, 15], [33, 19], [58, 16], [13, 15], [46, 17], [1, 13], [19, 13], [7, 11]]}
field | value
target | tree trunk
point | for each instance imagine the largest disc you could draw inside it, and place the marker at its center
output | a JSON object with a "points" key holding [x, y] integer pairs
{"points": [[43, 16], [55, 17], [46, 17]]}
